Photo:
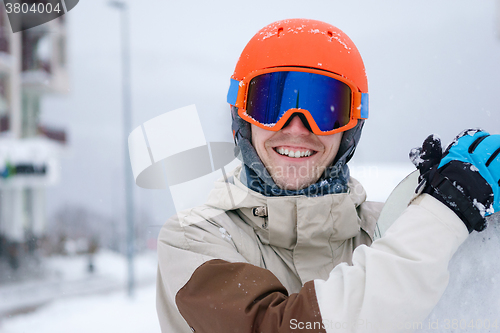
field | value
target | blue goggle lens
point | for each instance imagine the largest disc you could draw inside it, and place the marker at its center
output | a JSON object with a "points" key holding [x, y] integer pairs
{"points": [[328, 100]]}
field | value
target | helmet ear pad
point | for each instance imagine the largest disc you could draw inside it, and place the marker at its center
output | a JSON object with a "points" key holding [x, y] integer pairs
{"points": [[349, 142]]}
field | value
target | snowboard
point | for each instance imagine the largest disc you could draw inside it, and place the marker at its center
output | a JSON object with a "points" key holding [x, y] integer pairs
{"points": [[471, 302]]}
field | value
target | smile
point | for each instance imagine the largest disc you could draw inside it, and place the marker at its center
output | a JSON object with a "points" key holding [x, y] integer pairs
{"points": [[293, 153]]}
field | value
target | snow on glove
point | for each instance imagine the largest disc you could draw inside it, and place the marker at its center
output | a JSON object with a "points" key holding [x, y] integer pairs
{"points": [[466, 177]]}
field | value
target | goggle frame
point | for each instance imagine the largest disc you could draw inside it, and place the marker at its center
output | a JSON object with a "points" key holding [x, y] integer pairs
{"points": [[358, 110]]}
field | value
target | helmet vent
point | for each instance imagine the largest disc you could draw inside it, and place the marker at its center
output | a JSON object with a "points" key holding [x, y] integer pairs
{"points": [[330, 34], [280, 31]]}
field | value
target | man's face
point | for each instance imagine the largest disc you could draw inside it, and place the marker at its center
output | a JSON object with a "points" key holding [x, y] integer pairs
{"points": [[314, 153]]}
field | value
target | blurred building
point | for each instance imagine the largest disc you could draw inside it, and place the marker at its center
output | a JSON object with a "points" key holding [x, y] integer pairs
{"points": [[32, 64]]}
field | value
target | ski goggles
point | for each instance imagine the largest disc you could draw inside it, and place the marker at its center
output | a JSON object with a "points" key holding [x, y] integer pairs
{"points": [[268, 98]]}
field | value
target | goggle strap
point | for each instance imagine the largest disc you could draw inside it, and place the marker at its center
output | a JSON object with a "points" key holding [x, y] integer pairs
{"points": [[232, 93], [363, 112]]}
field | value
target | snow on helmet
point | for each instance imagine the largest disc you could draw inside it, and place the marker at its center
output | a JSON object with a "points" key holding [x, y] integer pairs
{"points": [[303, 43]]}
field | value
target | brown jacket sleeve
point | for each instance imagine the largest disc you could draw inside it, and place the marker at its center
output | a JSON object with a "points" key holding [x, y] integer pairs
{"points": [[240, 297]]}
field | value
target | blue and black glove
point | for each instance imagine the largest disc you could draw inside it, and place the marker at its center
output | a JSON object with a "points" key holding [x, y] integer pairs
{"points": [[466, 177]]}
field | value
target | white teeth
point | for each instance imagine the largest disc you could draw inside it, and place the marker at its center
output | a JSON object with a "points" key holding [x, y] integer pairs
{"points": [[295, 154]]}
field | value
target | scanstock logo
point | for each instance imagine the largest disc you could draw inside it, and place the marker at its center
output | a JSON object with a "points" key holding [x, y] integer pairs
{"points": [[26, 14], [170, 151]]}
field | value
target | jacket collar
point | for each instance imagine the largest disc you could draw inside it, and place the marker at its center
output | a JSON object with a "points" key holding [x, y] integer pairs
{"points": [[292, 221]]}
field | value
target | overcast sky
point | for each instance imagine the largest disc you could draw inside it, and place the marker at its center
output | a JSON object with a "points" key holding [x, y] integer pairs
{"points": [[433, 67]]}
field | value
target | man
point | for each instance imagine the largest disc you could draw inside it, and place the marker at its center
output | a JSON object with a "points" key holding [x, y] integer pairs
{"points": [[272, 250]]}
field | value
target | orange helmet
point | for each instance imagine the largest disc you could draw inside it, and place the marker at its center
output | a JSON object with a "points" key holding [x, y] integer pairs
{"points": [[303, 43]]}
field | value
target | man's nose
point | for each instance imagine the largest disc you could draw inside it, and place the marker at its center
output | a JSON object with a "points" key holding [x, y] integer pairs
{"points": [[295, 125]]}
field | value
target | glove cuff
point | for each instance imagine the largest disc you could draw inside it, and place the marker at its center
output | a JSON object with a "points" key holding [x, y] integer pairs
{"points": [[443, 190]]}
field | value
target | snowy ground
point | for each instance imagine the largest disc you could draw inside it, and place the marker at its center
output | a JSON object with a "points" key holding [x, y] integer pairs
{"points": [[113, 312], [69, 299]]}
